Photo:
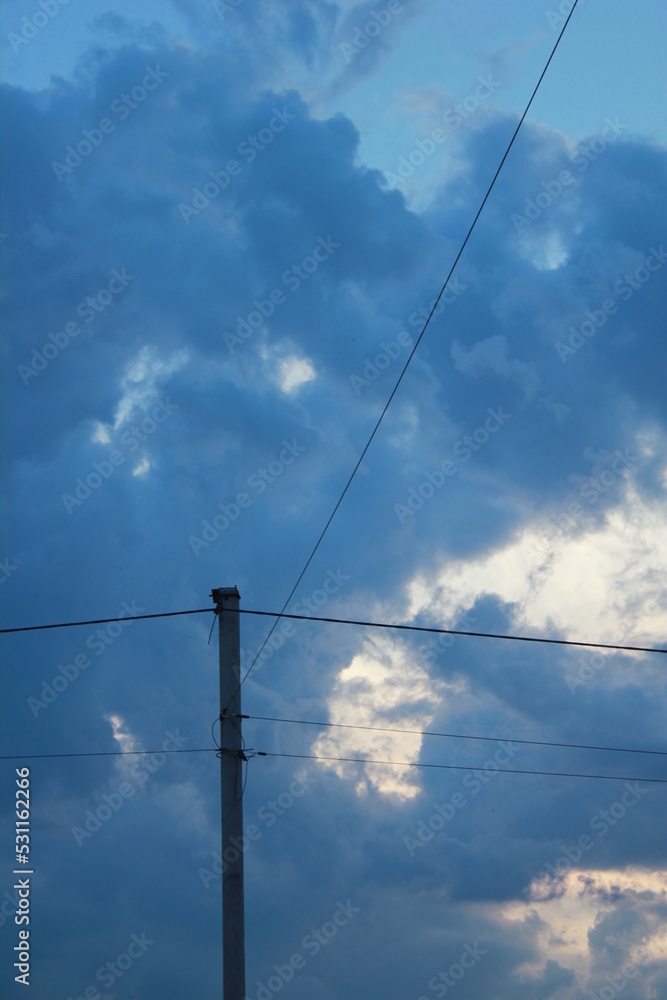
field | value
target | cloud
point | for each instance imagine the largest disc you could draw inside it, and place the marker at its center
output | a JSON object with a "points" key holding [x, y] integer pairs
{"points": [[383, 694], [491, 356], [549, 519]]}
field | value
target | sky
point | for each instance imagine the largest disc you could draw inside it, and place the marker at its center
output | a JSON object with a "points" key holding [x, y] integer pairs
{"points": [[222, 228]]}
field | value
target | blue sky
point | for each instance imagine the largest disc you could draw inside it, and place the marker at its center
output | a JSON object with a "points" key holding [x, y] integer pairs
{"points": [[221, 232]]}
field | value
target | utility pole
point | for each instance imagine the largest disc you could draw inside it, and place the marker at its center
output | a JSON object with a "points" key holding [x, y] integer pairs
{"points": [[226, 600]]}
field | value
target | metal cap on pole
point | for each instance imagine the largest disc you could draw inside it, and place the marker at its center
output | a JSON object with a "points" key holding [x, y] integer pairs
{"points": [[226, 600]]}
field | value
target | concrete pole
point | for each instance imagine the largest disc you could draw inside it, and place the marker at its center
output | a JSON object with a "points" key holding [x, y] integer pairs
{"points": [[231, 766]]}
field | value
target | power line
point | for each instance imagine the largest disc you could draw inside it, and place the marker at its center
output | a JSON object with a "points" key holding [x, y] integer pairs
{"points": [[456, 736], [451, 631], [105, 621], [103, 753], [350, 621], [465, 767], [407, 363], [335, 725], [349, 760]]}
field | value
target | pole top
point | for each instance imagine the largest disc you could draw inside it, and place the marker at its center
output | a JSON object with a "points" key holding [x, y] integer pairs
{"points": [[220, 593]]}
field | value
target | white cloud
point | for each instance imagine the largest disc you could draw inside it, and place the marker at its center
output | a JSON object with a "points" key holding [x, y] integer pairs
{"points": [[126, 743], [139, 383], [587, 897], [295, 372], [142, 468], [381, 686], [492, 355], [597, 582]]}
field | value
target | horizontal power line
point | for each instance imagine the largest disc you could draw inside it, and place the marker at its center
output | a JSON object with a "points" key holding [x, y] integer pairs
{"points": [[337, 725], [349, 621], [454, 736], [466, 767], [349, 760], [102, 753]]}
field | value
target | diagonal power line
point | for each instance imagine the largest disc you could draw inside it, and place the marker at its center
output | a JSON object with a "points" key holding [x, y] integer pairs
{"points": [[466, 767], [349, 621], [453, 631], [412, 353], [105, 621], [453, 736]]}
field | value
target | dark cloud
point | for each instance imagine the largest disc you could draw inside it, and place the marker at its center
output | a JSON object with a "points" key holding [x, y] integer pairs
{"points": [[108, 506]]}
